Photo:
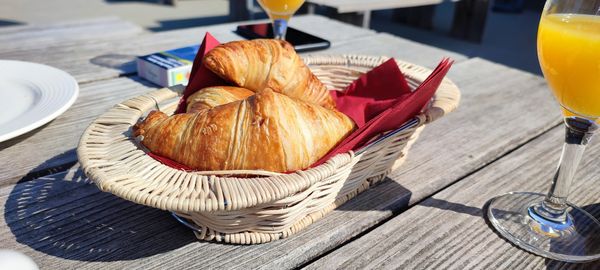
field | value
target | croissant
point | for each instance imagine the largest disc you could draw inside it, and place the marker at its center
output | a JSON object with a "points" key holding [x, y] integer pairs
{"points": [[267, 131], [267, 63], [210, 97]]}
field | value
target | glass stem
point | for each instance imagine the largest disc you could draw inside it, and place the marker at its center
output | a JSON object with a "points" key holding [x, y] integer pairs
{"points": [[579, 131], [279, 28]]}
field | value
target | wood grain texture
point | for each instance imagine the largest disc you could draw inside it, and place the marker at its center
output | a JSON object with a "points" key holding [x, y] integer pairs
{"points": [[40, 36], [65, 222], [53, 144], [492, 120], [448, 231], [105, 59]]}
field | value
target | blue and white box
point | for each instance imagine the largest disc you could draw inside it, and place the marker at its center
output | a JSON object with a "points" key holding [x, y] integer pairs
{"points": [[167, 68]]}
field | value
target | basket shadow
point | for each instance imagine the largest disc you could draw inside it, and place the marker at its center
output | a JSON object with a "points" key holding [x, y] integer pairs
{"points": [[67, 216], [386, 195], [391, 196]]}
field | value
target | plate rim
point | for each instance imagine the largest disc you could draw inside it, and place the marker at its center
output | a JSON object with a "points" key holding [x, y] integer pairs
{"points": [[48, 117]]}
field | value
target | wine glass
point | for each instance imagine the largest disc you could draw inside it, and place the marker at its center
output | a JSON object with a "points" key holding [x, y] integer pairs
{"points": [[569, 54], [279, 12]]}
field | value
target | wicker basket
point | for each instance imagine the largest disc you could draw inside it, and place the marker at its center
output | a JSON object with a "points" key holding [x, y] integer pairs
{"points": [[266, 206]]}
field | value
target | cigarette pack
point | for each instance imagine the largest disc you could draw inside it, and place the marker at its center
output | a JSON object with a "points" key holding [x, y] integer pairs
{"points": [[167, 68]]}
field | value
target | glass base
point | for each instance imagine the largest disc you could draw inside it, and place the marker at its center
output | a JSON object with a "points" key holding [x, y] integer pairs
{"points": [[575, 240]]}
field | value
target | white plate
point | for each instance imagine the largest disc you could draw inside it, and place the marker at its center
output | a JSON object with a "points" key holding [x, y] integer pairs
{"points": [[32, 95]]}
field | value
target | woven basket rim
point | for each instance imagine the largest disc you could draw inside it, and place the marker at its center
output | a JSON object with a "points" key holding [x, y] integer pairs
{"points": [[127, 183]]}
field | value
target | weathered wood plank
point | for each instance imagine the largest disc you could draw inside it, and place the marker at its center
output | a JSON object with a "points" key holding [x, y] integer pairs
{"points": [[104, 59], [36, 152], [52, 145], [69, 222], [448, 231], [69, 32], [493, 119]]}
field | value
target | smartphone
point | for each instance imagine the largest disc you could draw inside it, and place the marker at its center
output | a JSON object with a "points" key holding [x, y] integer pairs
{"points": [[301, 41]]}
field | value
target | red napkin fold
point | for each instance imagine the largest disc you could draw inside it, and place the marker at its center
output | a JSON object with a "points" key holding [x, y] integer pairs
{"points": [[378, 101], [200, 76], [372, 93], [391, 105]]}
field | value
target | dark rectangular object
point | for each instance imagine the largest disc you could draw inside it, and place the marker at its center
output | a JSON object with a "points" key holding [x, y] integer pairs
{"points": [[301, 41]]}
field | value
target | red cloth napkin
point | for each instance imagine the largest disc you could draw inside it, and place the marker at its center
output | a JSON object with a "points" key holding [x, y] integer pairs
{"points": [[391, 104], [377, 101], [200, 76], [372, 93]]}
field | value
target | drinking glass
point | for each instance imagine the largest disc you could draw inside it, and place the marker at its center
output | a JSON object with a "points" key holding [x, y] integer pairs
{"points": [[569, 54], [279, 12]]}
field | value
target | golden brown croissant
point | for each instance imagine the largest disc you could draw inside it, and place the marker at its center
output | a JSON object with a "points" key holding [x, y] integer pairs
{"points": [[210, 97], [267, 131], [267, 63]]}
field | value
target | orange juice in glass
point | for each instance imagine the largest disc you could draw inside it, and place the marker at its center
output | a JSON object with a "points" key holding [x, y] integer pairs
{"points": [[548, 224], [569, 54], [280, 12]]}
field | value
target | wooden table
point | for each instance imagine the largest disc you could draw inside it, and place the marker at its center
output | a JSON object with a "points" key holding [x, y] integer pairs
{"points": [[504, 137]]}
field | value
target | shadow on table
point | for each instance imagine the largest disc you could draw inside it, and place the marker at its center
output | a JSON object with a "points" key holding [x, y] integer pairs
{"points": [[386, 195], [390, 195], [66, 216], [9, 23], [451, 206], [126, 64], [593, 209], [123, 62]]}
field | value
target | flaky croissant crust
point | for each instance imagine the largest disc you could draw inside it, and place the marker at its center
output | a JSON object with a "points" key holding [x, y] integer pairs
{"points": [[267, 131], [267, 63], [207, 98]]}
